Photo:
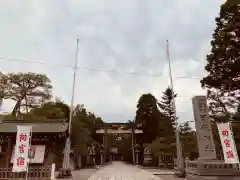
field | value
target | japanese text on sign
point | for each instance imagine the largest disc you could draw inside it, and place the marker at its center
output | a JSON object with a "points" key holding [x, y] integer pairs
{"points": [[205, 143], [22, 137], [228, 144], [20, 162], [202, 106]]}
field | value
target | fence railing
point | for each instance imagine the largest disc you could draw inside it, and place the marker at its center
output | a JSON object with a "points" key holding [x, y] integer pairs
{"points": [[43, 173]]}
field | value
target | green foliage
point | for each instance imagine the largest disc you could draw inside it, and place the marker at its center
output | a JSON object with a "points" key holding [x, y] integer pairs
{"points": [[223, 62], [83, 129], [161, 146], [27, 117], [165, 143], [166, 105], [149, 115], [29, 87], [188, 139], [52, 110]]}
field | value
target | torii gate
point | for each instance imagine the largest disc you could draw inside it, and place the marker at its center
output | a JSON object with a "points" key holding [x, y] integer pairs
{"points": [[119, 128]]}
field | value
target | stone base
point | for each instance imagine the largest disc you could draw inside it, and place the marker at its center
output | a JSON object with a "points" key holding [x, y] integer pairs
{"points": [[196, 177], [205, 169], [180, 172], [64, 173]]}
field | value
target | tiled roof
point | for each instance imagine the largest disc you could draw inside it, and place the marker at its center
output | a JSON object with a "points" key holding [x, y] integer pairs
{"points": [[52, 126]]}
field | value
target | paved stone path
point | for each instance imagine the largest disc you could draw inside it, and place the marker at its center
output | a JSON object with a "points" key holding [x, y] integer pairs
{"points": [[122, 171]]}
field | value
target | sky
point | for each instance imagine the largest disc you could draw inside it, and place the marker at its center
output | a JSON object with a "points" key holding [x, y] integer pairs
{"points": [[127, 37]]}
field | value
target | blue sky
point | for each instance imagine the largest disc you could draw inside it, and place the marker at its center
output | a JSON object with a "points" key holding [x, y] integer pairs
{"points": [[127, 35]]}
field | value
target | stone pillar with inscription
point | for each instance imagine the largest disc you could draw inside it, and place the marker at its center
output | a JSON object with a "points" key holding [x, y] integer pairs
{"points": [[206, 146], [207, 166]]}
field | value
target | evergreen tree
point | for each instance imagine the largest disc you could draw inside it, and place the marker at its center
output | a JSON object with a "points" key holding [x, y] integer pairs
{"points": [[166, 105], [149, 116], [188, 140], [223, 62]]}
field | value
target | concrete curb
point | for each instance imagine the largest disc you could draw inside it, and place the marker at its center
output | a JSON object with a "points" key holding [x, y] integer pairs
{"points": [[162, 173], [156, 171]]}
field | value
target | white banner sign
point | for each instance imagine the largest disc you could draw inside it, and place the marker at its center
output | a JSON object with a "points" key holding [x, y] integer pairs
{"points": [[20, 163], [36, 154], [228, 143]]}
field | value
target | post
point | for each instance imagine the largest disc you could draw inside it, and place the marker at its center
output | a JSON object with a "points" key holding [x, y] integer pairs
{"points": [[73, 88], [137, 158], [180, 163], [101, 159], [9, 152], [66, 160], [30, 144], [105, 143], [53, 171], [133, 152]]}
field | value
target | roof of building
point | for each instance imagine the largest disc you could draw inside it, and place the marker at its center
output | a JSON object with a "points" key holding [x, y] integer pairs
{"points": [[39, 126]]}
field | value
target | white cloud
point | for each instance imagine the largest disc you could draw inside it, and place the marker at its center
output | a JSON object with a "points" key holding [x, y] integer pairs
{"points": [[120, 35]]}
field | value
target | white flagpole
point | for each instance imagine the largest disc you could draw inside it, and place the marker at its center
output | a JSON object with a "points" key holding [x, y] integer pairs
{"points": [[178, 142], [73, 88], [66, 160]]}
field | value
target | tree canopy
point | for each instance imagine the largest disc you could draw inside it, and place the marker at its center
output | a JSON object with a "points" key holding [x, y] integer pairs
{"points": [[188, 140], [149, 116], [223, 62], [33, 97], [26, 89], [167, 105]]}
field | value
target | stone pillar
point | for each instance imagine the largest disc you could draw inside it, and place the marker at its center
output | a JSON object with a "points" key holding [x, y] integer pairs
{"points": [[207, 167], [206, 146]]}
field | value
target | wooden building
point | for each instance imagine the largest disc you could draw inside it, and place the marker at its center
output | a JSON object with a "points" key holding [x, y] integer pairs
{"points": [[47, 142]]}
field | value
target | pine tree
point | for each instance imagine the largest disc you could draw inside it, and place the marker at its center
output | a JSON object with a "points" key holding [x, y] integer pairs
{"points": [[166, 105], [223, 62]]}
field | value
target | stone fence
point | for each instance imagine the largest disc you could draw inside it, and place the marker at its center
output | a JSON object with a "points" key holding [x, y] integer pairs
{"points": [[211, 168], [43, 173]]}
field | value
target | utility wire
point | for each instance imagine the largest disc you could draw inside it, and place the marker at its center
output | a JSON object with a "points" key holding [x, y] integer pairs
{"points": [[95, 69]]}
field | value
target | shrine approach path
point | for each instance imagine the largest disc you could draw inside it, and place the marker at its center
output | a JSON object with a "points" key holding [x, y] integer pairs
{"points": [[122, 171]]}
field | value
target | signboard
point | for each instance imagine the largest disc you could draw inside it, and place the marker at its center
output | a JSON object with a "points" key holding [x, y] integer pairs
{"points": [[228, 143], [206, 146], [20, 160], [114, 150], [36, 154]]}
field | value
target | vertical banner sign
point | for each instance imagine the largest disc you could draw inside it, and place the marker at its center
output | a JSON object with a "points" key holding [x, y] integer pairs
{"points": [[20, 163], [228, 143]]}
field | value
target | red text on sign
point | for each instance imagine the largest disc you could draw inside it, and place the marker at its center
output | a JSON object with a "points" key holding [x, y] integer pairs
{"points": [[227, 143], [224, 133], [230, 154], [20, 161], [22, 137], [22, 148]]}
